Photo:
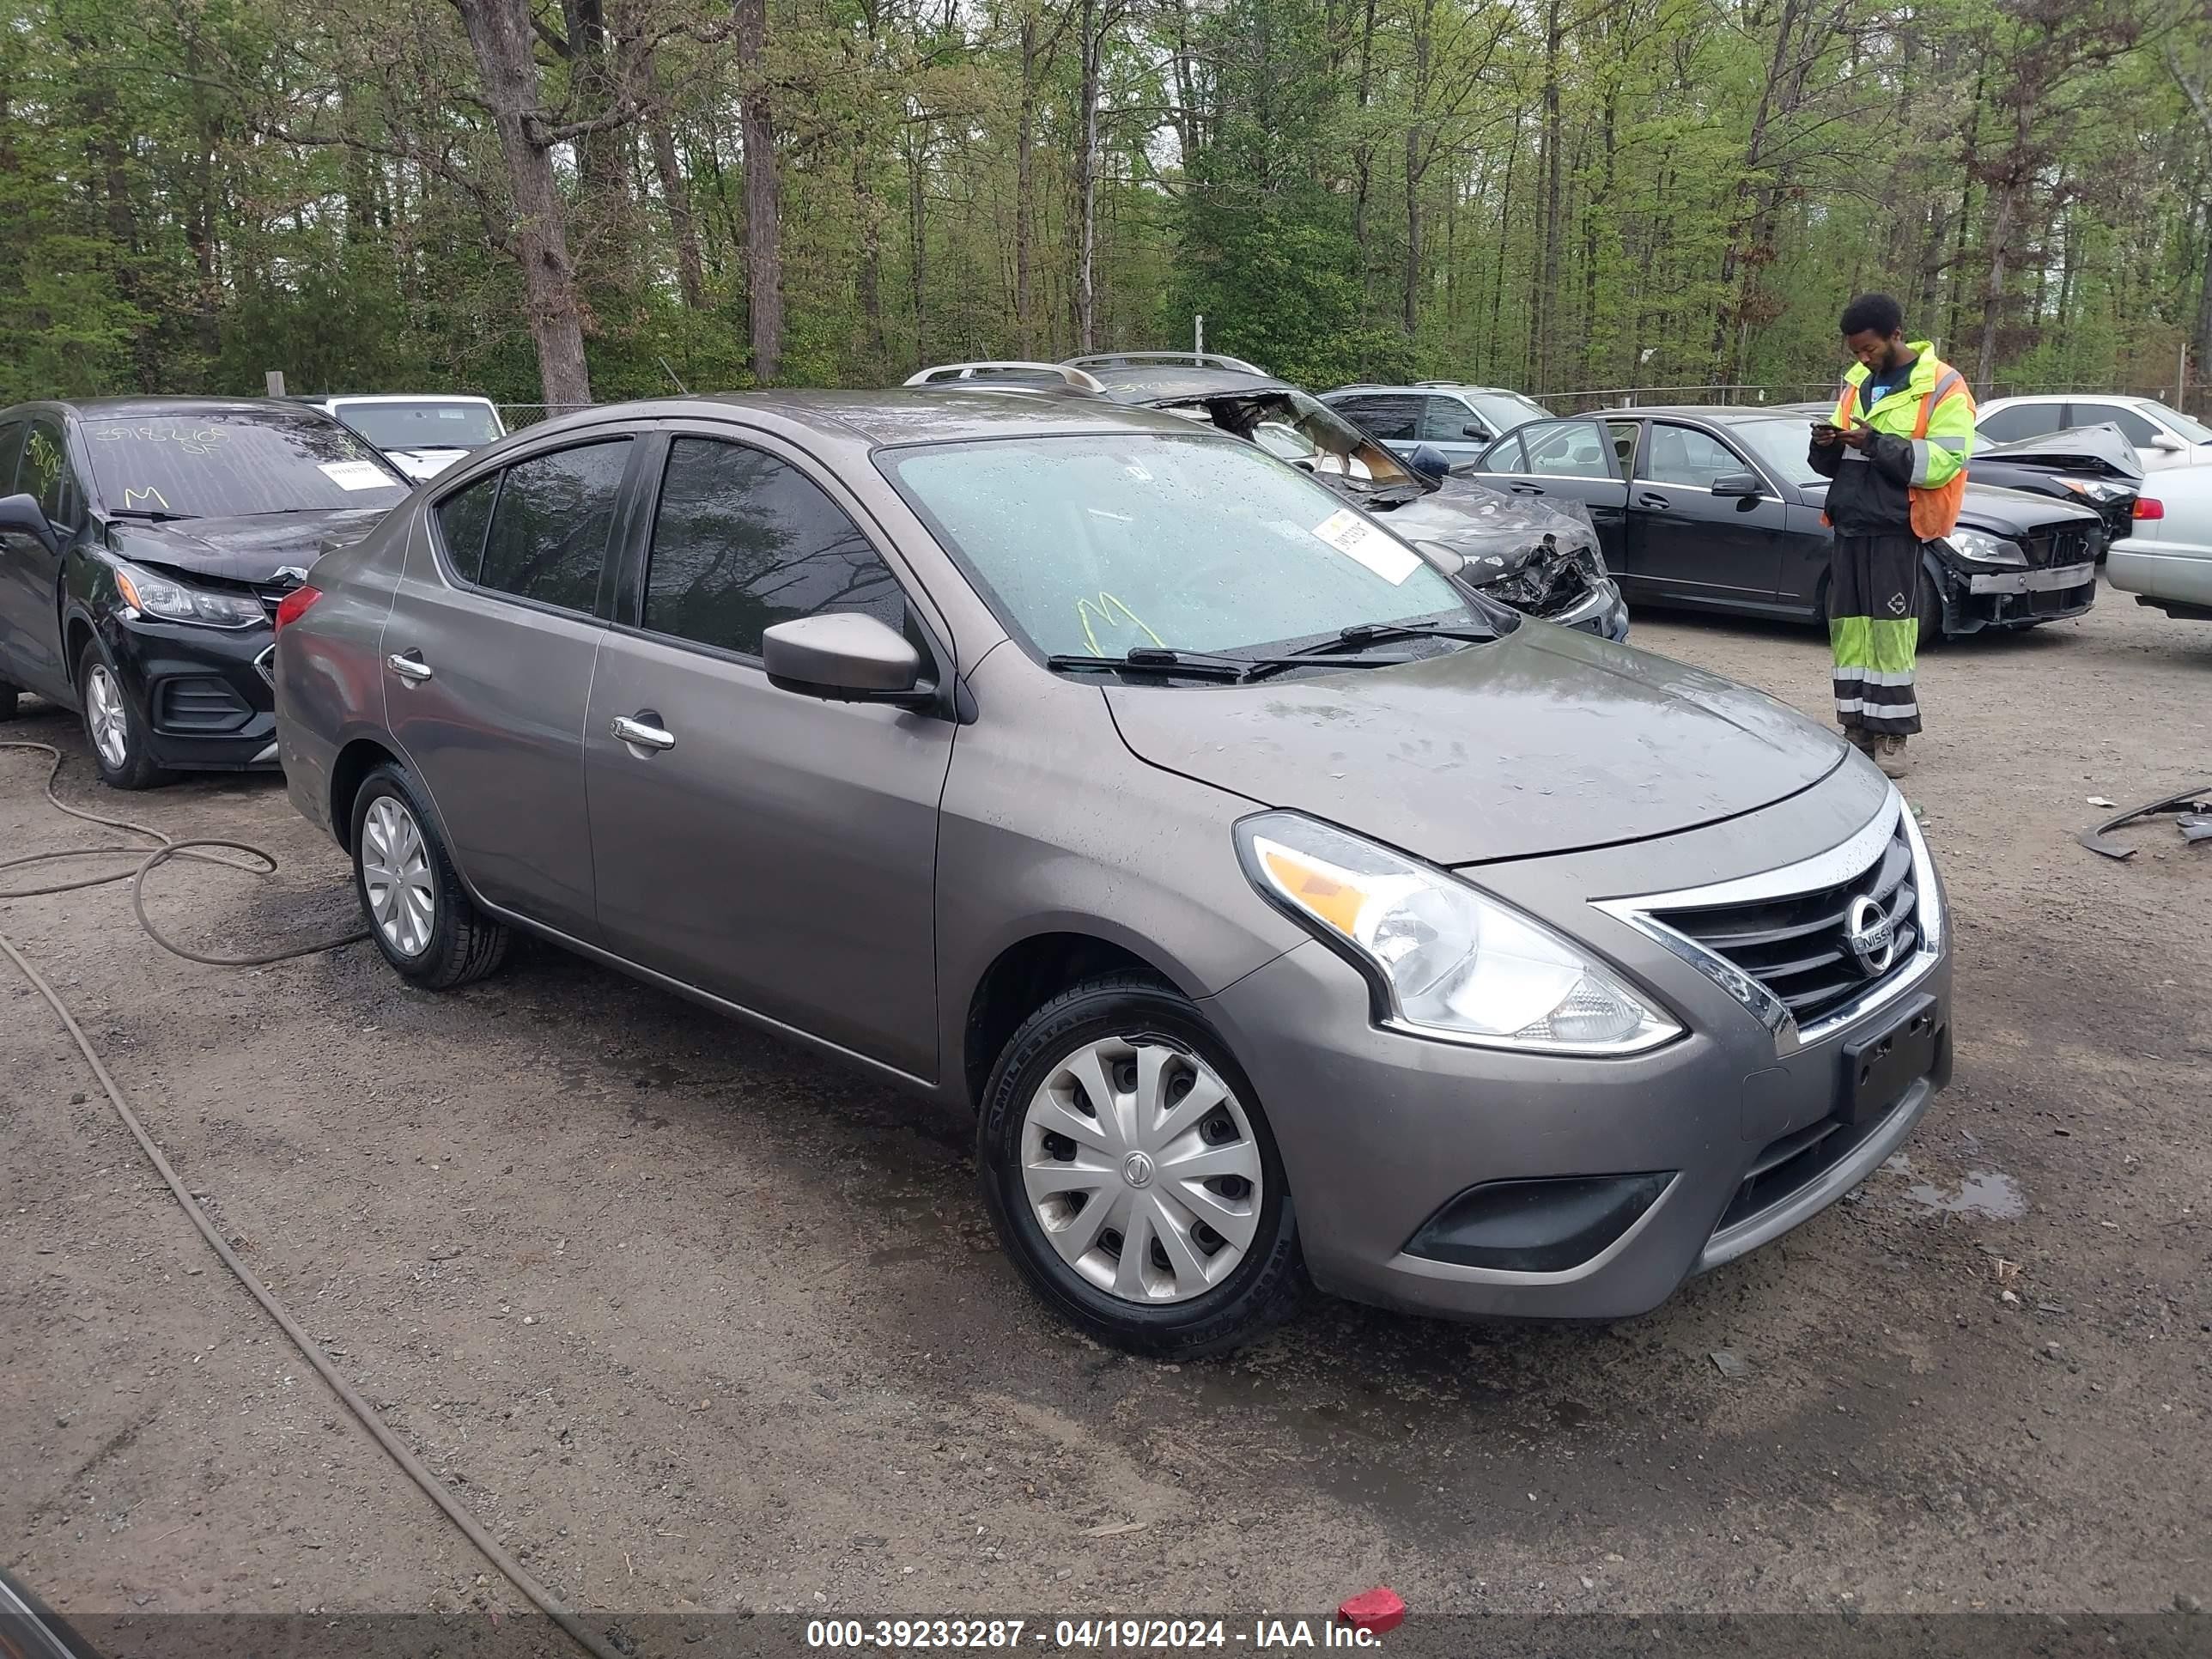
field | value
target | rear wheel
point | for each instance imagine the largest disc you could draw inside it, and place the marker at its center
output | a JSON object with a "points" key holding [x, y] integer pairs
{"points": [[424, 923], [112, 726], [1132, 1174]]}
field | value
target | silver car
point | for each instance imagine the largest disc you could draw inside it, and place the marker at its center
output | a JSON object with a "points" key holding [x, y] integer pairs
{"points": [[1277, 909]]}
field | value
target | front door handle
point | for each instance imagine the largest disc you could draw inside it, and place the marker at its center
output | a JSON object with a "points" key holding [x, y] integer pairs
{"points": [[1526, 489], [1647, 499], [409, 665], [640, 735]]}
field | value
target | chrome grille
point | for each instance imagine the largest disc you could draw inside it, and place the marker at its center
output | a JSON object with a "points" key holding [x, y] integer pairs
{"points": [[1794, 945]]}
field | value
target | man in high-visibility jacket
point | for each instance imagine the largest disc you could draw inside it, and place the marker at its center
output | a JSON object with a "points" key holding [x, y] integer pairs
{"points": [[1897, 448]]}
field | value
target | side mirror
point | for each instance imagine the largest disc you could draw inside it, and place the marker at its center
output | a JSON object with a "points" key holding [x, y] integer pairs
{"points": [[843, 656], [2165, 441], [1431, 463], [1442, 557], [23, 513], [1739, 483], [1476, 429]]}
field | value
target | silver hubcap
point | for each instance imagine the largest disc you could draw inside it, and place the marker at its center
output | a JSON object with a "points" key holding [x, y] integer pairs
{"points": [[1142, 1169], [395, 873], [107, 715]]}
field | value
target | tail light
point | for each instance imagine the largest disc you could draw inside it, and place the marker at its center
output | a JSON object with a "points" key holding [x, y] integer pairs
{"points": [[2146, 507], [295, 604]]}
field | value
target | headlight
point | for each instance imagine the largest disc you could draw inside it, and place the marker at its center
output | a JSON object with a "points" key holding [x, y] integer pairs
{"points": [[172, 601], [1455, 963], [1984, 549], [2094, 489]]}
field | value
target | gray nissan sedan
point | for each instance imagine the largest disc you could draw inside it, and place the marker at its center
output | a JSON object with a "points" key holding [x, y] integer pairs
{"points": [[1280, 910]]}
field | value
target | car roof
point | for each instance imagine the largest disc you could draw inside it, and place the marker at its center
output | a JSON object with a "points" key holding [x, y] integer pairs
{"points": [[2136, 398], [103, 409], [320, 398], [1429, 385], [1154, 383], [1720, 414], [947, 412]]}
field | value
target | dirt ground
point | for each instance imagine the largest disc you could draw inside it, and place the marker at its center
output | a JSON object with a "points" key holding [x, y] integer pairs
{"points": [[694, 1320]]}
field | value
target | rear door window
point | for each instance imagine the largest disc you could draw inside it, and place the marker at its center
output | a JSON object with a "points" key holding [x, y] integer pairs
{"points": [[549, 534], [11, 443], [743, 540], [463, 518], [2006, 426], [1394, 419]]}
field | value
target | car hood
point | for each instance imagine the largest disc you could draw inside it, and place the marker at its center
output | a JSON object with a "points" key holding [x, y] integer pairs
{"points": [[2008, 512], [252, 549], [2097, 451], [1496, 533], [1545, 742]]}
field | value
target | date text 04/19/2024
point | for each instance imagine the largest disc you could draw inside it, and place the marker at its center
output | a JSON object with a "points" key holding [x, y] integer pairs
{"points": [[1264, 1636]]}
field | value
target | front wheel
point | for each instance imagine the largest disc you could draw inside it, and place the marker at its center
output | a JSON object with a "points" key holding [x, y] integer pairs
{"points": [[424, 923], [1132, 1174], [112, 726], [1928, 610]]}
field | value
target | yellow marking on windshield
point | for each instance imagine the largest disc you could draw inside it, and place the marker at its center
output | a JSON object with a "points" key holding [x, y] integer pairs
{"points": [[1104, 611]]}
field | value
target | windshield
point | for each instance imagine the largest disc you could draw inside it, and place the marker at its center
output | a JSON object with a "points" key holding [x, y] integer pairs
{"points": [[1306, 432], [1780, 446], [230, 465], [2194, 430], [1506, 410], [1093, 545], [431, 424]]}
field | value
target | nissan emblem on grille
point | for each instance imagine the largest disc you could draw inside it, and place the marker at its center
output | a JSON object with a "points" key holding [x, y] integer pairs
{"points": [[1872, 940]]}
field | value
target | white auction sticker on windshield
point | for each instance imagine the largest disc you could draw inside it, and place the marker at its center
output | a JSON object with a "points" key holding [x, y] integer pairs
{"points": [[357, 474], [1354, 537]]}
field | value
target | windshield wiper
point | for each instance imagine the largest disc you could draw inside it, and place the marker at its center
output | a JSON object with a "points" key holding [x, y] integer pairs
{"points": [[1362, 633], [1208, 665], [149, 514]]}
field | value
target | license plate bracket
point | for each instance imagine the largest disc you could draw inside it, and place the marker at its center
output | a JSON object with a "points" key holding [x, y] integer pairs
{"points": [[1877, 1067]]}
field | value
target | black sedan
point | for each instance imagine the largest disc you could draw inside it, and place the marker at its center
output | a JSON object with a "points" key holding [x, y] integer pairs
{"points": [[145, 544], [1716, 508]]}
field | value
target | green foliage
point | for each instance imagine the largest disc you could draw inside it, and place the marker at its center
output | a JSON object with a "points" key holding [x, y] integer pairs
{"points": [[193, 195]]}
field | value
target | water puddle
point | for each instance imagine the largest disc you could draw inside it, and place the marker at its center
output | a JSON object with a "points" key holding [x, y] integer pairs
{"points": [[1985, 1195]]}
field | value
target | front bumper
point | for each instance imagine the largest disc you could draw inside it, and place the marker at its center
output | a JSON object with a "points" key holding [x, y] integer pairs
{"points": [[202, 695], [1738, 1131], [2009, 598], [1602, 613]]}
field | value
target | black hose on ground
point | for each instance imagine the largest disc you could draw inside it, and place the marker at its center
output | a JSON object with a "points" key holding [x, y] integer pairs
{"points": [[363, 1411]]}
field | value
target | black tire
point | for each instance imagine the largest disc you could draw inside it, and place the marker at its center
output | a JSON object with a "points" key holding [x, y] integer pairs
{"points": [[8, 707], [133, 767], [459, 943], [1260, 1291], [1929, 610]]}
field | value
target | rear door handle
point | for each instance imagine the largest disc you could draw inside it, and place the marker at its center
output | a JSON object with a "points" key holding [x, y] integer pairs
{"points": [[640, 735], [409, 665], [1647, 499], [1526, 489]]}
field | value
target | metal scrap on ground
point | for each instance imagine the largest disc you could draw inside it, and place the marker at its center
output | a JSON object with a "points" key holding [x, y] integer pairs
{"points": [[2196, 802]]}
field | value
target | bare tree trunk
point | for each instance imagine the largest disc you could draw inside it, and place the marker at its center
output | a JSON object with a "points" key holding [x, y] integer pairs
{"points": [[2009, 190], [1097, 20], [763, 207], [676, 193], [1025, 208], [918, 239], [1547, 274], [872, 261], [500, 37], [1362, 156]]}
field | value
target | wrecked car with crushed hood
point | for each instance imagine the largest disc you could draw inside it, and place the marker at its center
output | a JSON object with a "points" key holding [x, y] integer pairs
{"points": [[145, 545], [1542, 558]]}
